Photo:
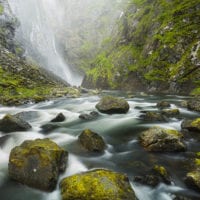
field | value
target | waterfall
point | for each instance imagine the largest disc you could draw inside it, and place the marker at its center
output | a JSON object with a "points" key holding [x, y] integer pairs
{"points": [[41, 21]]}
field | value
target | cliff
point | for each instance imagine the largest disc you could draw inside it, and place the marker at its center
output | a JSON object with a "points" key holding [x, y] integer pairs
{"points": [[156, 48]]}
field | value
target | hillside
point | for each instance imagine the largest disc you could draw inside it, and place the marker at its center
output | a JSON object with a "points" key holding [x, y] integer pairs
{"points": [[156, 48]]}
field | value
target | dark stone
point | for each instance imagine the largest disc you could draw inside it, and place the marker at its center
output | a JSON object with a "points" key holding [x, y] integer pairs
{"points": [[91, 141], [10, 123], [46, 128], [59, 118], [112, 105], [92, 115], [163, 104], [154, 116], [37, 163]]}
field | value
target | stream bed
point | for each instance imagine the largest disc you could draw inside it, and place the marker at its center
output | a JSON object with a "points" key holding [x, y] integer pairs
{"points": [[120, 131]]}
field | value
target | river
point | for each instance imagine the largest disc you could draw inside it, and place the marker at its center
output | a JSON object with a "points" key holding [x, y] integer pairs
{"points": [[120, 131]]}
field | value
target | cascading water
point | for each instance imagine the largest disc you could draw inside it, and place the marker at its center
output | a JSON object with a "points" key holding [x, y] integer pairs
{"points": [[40, 23]]}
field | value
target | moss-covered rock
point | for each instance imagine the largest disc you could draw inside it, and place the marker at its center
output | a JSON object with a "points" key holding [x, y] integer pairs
{"points": [[91, 141], [191, 125], [194, 104], [37, 163], [11, 123], [157, 139], [171, 112], [154, 116], [112, 105], [97, 185], [193, 179]]}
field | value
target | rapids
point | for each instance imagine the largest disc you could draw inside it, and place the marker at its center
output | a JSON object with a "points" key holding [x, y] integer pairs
{"points": [[120, 131]]}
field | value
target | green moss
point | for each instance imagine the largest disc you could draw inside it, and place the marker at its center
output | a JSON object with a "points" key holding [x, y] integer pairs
{"points": [[174, 132], [196, 123], [1, 9]]}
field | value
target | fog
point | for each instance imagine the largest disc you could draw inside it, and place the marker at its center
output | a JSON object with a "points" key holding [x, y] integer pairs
{"points": [[53, 31]]}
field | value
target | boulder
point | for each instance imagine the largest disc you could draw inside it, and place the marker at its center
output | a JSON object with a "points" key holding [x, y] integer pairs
{"points": [[92, 115], [46, 128], [157, 139], [154, 116], [112, 105], [194, 104], [170, 112], [193, 179], [191, 125], [98, 184], [91, 141], [59, 118], [10, 123], [37, 163], [163, 104]]}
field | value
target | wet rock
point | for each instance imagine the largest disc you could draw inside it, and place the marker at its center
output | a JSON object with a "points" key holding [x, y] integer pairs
{"points": [[170, 112], [97, 185], [92, 115], [193, 179], [37, 163], [184, 104], [191, 125], [154, 116], [154, 177], [91, 141], [59, 118], [112, 105], [157, 139], [194, 104], [10, 123], [46, 128], [163, 104]]}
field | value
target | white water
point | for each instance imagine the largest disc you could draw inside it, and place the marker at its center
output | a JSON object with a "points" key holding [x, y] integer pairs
{"points": [[40, 22]]}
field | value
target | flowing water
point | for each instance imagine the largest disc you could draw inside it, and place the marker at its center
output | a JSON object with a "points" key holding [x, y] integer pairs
{"points": [[120, 131], [40, 23]]}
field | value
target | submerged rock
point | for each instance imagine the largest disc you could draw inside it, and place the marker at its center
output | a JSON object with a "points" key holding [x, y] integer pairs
{"points": [[46, 128], [163, 104], [59, 118], [37, 163], [191, 125], [170, 112], [112, 105], [157, 139], [154, 116], [11, 123], [91, 141], [98, 184], [194, 104], [92, 115]]}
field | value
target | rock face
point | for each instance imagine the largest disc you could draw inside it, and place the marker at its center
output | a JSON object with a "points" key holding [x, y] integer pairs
{"points": [[157, 139], [112, 105], [97, 185], [91, 141], [191, 125], [10, 123], [37, 163], [194, 104], [59, 118]]}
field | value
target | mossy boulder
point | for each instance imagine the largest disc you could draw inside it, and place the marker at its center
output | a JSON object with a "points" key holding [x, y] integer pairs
{"points": [[59, 118], [11, 123], [154, 116], [112, 105], [98, 184], [37, 163], [191, 125], [194, 104], [157, 139], [193, 179], [170, 112], [163, 104], [91, 141]]}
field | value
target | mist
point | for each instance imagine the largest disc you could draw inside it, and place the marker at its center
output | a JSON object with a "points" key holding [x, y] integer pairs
{"points": [[52, 32]]}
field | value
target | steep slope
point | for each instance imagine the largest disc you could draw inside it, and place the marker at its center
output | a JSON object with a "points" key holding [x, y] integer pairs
{"points": [[21, 81], [157, 48]]}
